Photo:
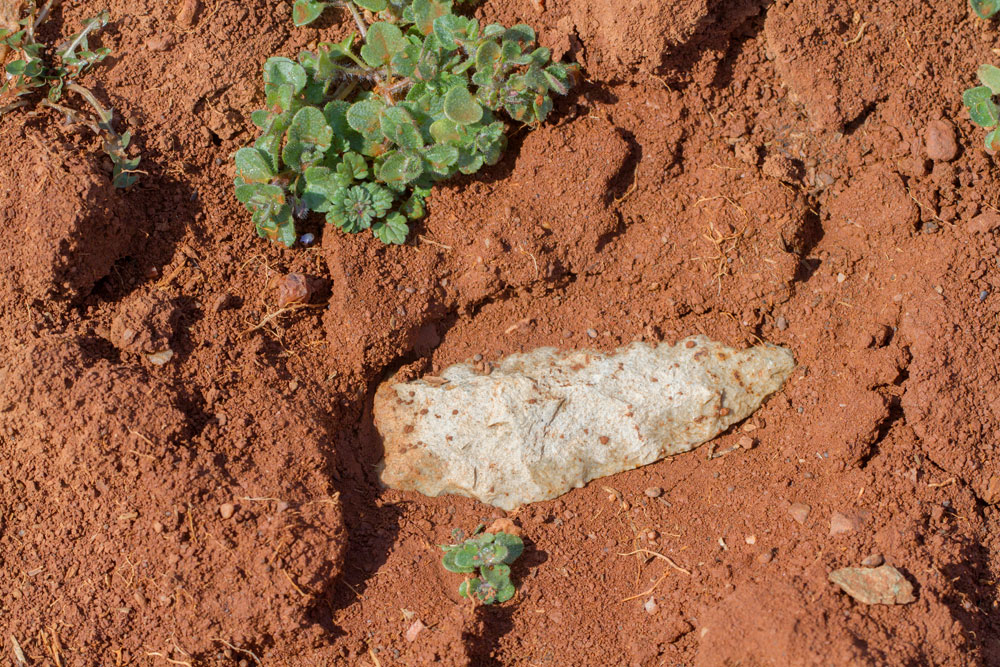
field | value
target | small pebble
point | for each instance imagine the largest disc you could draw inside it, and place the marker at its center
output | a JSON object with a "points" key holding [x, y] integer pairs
{"points": [[653, 492], [293, 288], [651, 607], [592, 333], [307, 239], [799, 512], [157, 527], [781, 323], [765, 557], [746, 442], [873, 561], [841, 523], [841, 277], [750, 539], [226, 510], [983, 294], [477, 357], [939, 140]]}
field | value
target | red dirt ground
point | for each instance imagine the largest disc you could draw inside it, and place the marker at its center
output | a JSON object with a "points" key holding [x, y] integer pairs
{"points": [[748, 170]]}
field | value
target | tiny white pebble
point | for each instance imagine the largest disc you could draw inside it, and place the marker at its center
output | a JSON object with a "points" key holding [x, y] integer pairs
{"points": [[651, 607]]}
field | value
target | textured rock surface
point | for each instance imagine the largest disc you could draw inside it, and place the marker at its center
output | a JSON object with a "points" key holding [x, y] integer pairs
{"points": [[545, 422], [874, 585]]}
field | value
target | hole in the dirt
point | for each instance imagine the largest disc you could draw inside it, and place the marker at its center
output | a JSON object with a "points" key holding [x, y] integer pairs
{"points": [[216, 139], [95, 348], [851, 126]]}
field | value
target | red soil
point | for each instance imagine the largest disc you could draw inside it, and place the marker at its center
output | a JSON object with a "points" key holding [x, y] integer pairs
{"points": [[748, 170]]}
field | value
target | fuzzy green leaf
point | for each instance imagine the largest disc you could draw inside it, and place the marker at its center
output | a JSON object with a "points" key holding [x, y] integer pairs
{"points": [[461, 107], [309, 138], [399, 127], [393, 230], [993, 140], [374, 6], [401, 168], [497, 575], [284, 71], [441, 156], [363, 116], [426, 11], [305, 12], [450, 30], [384, 41], [468, 587], [524, 35], [982, 109], [252, 166], [990, 76], [487, 56], [985, 9], [505, 592], [452, 565]]}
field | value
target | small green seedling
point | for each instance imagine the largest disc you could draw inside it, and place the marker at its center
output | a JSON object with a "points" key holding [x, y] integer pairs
{"points": [[39, 68], [360, 130], [985, 9], [491, 555], [982, 109]]}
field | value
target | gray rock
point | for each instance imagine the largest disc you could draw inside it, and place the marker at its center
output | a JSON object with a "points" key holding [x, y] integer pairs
{"points": [[874, 585], [545, 422]]}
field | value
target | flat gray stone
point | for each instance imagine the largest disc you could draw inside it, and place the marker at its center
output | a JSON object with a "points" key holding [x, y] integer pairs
{"points": [[547, 421]]}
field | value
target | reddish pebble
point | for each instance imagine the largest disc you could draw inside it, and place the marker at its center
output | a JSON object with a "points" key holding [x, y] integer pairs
{"points": [[939, 140], [799, 512], [414, 630], [226, 510], [293, 288]]}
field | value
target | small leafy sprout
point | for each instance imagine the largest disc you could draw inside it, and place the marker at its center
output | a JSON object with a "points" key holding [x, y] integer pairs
{"points": [[982, 109], [985, 9], [37, 68], [489, 555], [360, 130]]}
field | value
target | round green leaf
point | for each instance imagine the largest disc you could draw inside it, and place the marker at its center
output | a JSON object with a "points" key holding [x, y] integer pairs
{"points": [[441, 156], [306, 11], [985, 8], [497, 575], [990, 76], [461, 107], [401, 168], [982, 109], [393, 230], [252, 166], [993, 140], [281, 71], [384, 40], [363, 116], [487, 55], [505, 592]]}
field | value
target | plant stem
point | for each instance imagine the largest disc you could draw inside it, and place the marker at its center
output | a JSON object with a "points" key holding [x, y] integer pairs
{"points": [[102, 113], [94, 24], [42, 15], [11, 107], [357, 19]]}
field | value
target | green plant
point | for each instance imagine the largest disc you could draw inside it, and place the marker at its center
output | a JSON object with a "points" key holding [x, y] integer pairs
{"points": [[360, 131], [55, 70], [982, 109], [491, 554], [985, 9]]}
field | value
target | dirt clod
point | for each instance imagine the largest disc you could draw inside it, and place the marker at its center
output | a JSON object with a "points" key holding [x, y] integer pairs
{"points": [[939, 141]]}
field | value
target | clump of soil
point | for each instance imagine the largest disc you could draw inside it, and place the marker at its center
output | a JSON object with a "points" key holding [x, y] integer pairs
{"points": [[65, 224]]}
